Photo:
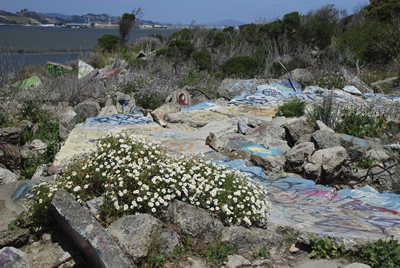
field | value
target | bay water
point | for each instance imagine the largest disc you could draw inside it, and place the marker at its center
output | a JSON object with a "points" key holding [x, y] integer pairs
{"points": [[46, 39]]}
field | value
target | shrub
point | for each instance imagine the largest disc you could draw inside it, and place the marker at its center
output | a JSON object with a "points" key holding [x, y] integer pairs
{"points": [[137, 63], [202, 60], [325, 248], [136, 176], [291, 108], [109, 42], [180, 48], [329, 112], [242, 66], [148, 44], [163, 51], [362, 123], [184, 34]]}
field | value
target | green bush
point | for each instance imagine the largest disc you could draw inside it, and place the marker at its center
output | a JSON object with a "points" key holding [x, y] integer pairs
{"points": [[136, 176], [241, 66], [329, 112], [291, 108], [326, 249], [110, 42], [137, 63], [184, 34], [163, 51], [362, 123], [180, 48], [202, 60]]}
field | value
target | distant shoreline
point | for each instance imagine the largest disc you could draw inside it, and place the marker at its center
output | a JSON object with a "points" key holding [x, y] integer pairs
{"points": [[22, 52]]}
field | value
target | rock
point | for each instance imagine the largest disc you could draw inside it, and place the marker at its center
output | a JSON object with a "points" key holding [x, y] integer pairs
{"points": [[231, 88], [394, 92], [39, 173], [168, 108], [329, 159], [352, 90], [236, 261], [297, 127], [272, 165], [271, 143], [386, 84], [319, 125], [294, 249], [217, 143], [11, 257], [182, 98], [242, 127], [37, 146], [17, 238], [94, 205], [7, 176], [87, 109], [63, 132], [298, 155], [357, 265], [197, 263], [313, 170], [268, 130], [11, 151], [125, 103], [95, 243], [352, 80], [67, 117], [199, 99], [135, 234], [325, 139], [169, 239], [195, 221], [12, 135], [378, 155], [108, 110], [248, 242]]}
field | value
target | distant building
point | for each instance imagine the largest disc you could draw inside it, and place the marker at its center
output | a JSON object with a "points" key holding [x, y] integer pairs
{"points": [[75, 25], [159, 26]]}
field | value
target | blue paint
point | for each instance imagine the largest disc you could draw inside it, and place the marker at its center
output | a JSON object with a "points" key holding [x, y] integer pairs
{"points": [[254, 148], [118, 119], [254, 171], [21, 190], [238, 163], [352, 139], [202, 106]]}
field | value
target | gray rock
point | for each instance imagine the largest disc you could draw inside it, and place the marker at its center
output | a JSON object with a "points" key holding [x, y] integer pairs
{"points": [[11, 257], [168, 108], [217, 143], [197, 263], [271, 143], [325, 139], [298, 154], [17, 238], [95, 243], [248, 242], [297, 127], [7, 176], [298, 74], [268, 130], [236, 261], [352, 80], [242, 127], [37, 146], [94, 205], [12, 135], [108, 110], [195, 221], [125, 103], [313, 170], [319, 125], [63, 132], [87, 109], [231, 88], [378, 155], [169, 239], [272, 165], [67, 118], [39, 173], [135, 234]]}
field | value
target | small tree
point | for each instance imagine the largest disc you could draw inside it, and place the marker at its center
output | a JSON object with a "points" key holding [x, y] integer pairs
{"points": [[126, 24]]}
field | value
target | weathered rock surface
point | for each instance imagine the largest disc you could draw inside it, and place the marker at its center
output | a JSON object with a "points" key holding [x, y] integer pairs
{"points": [[11, 257], [12, 135], [7, 176], [297, 127], [87, 109], [17, 238], [298, 155]]}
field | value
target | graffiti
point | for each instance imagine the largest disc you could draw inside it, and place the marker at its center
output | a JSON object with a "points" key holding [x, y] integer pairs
{"points": [[173, 146], [256, 98], [241, 85], [130, 226], [202, 106], [19, 191], [84, 70], [358, 205], [56, 69], [118, 119], [105, 74], [249, 110], [254, 148], [181, 97]]}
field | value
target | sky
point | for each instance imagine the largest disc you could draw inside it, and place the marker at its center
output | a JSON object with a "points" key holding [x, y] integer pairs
{"points": [[184, 11]]}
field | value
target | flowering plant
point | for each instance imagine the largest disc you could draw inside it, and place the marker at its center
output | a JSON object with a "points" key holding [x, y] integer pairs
{"points": [[136, 176]]}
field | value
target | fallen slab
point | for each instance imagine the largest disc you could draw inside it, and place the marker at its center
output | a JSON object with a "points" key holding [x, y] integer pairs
{"points": [[97, 245]]}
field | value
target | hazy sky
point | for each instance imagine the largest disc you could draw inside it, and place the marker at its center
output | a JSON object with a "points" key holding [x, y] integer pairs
{"points": [[184, 11]]}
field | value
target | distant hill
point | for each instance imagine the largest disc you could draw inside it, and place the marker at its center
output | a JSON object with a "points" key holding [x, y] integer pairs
{"points": [[225, 23], [56, 15], [26, 17]]}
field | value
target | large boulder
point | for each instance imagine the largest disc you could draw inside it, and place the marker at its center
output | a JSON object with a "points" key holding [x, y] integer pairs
{"points": [[248, 242], [16, 238], [268, 130], [195, 222], [324, 139], [7, 176], [87, 109], [135, 234], [12, 135], [297, 127], [11, 257], [125, 103], [231, 88], [298, 155], [272, 165]]}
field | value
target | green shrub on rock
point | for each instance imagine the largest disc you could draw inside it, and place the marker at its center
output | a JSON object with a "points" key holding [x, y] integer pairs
{"points": [[242, 66], [136, 176], [291, 108], [109, 42]]}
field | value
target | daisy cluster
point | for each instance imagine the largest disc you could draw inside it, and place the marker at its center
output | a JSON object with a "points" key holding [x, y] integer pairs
{"points": [[137, 176]]}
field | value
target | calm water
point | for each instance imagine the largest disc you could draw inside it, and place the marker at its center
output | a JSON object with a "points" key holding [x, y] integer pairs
{"points": [[45, 39]]}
